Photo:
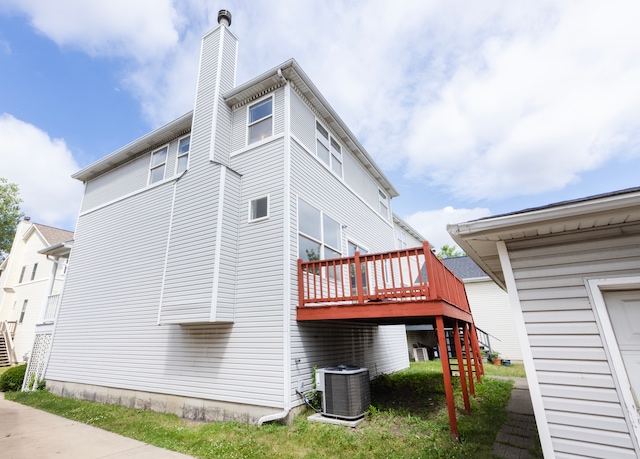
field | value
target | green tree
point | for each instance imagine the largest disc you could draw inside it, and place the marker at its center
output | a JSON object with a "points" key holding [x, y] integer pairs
{"points": [[10, 215], [450, 251]]}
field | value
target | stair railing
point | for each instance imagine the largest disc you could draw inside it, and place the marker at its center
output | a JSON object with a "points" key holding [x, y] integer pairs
{"points": [[8, 331]]}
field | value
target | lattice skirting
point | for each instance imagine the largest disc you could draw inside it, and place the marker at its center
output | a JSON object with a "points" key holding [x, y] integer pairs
{"points": [[37, 361]]}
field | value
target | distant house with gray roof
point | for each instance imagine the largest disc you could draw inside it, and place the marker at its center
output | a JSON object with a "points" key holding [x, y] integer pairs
{"points": [[490, 307]]}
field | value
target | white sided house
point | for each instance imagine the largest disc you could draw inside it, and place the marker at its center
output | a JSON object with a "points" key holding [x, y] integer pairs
{"points": [[182, 286], [491, 308], [572, 271], [30, 286]]}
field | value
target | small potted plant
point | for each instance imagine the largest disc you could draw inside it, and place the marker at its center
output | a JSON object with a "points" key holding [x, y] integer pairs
{"points": [[495, 358]]}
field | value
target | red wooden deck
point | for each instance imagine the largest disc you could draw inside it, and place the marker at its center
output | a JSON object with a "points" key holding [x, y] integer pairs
{"points": [[402, 286]]}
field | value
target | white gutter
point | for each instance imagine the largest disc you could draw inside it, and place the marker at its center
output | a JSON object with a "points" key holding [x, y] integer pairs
{"points": [[286, 266]]}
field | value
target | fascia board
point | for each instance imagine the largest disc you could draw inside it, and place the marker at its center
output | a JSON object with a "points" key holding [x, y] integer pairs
{"points": [[139, 145]]}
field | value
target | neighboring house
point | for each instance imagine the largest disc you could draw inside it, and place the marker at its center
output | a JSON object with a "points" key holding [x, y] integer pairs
{"points": [[490, 306], [572, 271], [26, 283], [182, 286]]}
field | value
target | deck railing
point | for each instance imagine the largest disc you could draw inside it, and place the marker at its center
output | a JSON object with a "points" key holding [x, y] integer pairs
{"points": [[414, 274], [51, 309]]}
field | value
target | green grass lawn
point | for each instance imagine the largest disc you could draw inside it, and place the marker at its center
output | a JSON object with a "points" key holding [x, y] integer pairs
{"points": [[408, 419]]}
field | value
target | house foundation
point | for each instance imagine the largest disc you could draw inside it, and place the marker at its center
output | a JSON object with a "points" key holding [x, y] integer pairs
{"points": [[195, 409]]}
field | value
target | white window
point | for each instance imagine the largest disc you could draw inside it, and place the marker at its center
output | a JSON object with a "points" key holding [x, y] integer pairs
{"points": [[402, 239], [384, 204], [35, 269], [183, 154], [261, 120], [328, 149], [319, 235], [24, 310], [158, 165], [24, 268], [259, 209]]}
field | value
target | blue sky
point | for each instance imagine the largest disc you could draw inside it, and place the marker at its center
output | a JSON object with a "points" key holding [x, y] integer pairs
{"points": [[470, 109]]}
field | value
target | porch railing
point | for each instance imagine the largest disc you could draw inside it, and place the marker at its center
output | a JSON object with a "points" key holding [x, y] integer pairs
{"points": [[51, 309], [414, 274], [8, 332]]}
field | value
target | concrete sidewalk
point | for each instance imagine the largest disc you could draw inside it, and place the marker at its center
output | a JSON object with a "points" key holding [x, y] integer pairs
{"points": [[28, 432], [519, 434]]}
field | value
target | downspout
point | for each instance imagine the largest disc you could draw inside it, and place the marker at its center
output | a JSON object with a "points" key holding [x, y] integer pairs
{"points": [[286, 270]]}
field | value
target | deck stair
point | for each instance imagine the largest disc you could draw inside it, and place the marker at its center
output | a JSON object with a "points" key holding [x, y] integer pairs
{"points": [[7, 351]]}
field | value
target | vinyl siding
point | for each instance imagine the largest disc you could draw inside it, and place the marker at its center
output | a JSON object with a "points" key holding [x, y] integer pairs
{"points": [[492, 313], [222, 135], [583, 408], [107, 332], [303, 122], [381, 349]]}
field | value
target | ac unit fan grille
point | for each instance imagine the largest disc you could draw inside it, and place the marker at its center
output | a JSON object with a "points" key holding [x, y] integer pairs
{"points": [[346, 395]]}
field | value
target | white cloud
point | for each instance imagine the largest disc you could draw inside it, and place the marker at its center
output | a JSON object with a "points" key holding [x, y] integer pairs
{"points": [[482, 100], [42, 168], [142, 29], [432, 224]]}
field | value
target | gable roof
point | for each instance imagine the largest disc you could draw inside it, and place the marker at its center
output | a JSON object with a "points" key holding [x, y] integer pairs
{"points": [[464, 268], [479, 238], [53, 235]]}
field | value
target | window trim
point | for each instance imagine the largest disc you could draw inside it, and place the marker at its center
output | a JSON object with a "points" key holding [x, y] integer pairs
{"points": [[253, 123], [259, 219], [24, 268], [157, 166], [321, 242], [383, 202], [328, 142], [23, 311], [180, 155], [34, 271], [401, 238]]}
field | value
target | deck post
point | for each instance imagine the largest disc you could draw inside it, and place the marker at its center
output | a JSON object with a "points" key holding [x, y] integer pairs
{"points": [[300, 284], [432, 277], [469, 349], [477, 353], [461, 367], [359, 286], [446, 372]]}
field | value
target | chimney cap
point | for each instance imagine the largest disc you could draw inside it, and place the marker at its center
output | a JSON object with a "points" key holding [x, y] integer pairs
{"points": [[224, 16], [26, 219]]}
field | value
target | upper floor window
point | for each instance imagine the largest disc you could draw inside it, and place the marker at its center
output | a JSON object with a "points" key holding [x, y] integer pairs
{"points": [[384, 204], [261, 120], [328, 149], [158, 165], [24, 268], [23, 312], [319, 236], [183, 154], [35, 269], [402, 239], [259, 209]]}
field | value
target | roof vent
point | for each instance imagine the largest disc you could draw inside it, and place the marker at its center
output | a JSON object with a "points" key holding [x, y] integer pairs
{"points": [[224, 17]]}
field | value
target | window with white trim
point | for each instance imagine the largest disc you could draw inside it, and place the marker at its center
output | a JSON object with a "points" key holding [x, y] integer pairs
{"points": [[353, 248], [35, 269], [259, 209], [23, 312], [158, 165], [384, 204], [183, 154], [319, 236], [328, 149], [402, 239], [24, 268], [261, 120]]}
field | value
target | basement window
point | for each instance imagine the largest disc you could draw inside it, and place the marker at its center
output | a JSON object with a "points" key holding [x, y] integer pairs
{"points": [[259, 209], [261, 120]]}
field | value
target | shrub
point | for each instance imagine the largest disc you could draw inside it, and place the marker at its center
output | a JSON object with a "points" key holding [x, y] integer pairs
{"points": [[11, 380]]}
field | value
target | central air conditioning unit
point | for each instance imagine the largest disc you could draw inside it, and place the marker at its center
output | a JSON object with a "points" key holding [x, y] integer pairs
{"points": [[345, 391]]}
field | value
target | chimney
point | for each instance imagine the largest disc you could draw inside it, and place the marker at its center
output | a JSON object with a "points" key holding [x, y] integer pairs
{"points": [[224, 17], [26, 219]]}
